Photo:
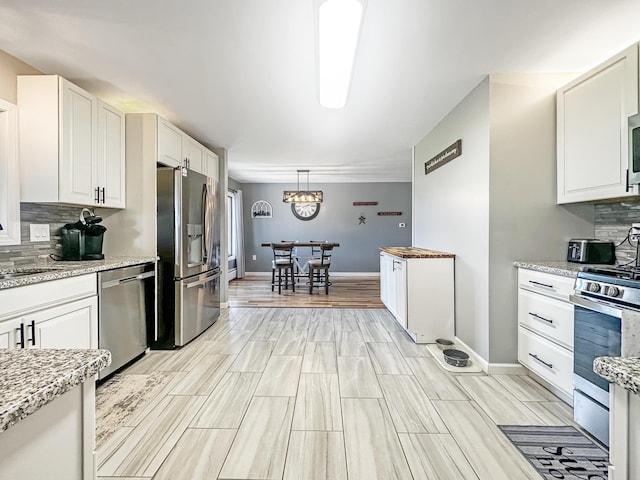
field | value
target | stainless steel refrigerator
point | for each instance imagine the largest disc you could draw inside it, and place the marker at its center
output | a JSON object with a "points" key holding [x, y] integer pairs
{"points": [[189, 255]]}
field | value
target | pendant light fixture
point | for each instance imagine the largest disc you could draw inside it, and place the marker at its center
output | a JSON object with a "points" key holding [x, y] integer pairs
{"points": [[338, 33], [302, 196]]}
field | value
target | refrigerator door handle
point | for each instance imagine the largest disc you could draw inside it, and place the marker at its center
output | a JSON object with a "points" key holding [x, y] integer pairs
{"points": [[204, 223], [203, 281]]}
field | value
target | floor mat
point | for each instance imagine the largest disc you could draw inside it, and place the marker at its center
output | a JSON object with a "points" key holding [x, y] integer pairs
{"points": [[559, 452]]}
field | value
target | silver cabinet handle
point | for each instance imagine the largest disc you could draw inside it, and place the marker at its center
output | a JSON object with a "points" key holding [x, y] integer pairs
{"points": [[535, 315], [202, 282], [535, 357]]}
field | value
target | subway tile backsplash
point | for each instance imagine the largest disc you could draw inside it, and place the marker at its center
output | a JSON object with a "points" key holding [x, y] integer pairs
{"points": [[612, 222], [28, 252]]}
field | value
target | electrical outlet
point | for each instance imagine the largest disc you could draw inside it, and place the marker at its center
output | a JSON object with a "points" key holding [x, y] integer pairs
{"points": [[254, 257], [39, 232]]}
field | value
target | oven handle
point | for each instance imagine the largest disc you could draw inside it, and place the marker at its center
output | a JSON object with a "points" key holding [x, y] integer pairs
{"points": [[595, 306]]}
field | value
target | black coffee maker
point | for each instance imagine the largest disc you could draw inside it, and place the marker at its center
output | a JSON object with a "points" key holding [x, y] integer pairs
{"points": [[83, 240]]}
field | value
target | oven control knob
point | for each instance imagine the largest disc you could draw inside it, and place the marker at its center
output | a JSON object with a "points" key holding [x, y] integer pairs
{"points": [[593, 287], [612, 291]]}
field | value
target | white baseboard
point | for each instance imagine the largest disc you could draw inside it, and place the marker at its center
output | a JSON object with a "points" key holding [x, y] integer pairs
{"points": [[224, 304], [231, 274], [492, 368], [333, 274]]}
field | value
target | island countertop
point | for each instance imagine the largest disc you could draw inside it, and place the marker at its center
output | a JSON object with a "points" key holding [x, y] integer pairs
{"points": [[623, 371], [46, 270], [415, 252], [31, 378]]}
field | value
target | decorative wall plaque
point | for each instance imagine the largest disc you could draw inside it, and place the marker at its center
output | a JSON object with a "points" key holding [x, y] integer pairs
{"points": [[261, 209], [388, 214], [452, 151], [356, 204]]}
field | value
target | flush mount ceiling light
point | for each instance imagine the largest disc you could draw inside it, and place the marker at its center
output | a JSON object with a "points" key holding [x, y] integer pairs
{"points": [[338, 32], [302, 196]]}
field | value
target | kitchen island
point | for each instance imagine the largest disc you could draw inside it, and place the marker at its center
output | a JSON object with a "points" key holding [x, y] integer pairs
{"points": [[47, 412], [417, 287], [624, 428]]}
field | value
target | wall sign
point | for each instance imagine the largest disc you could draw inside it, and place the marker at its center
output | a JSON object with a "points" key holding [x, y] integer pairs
{"points": [[261, 209], [452, 151], [355, 204], [388, 214]]}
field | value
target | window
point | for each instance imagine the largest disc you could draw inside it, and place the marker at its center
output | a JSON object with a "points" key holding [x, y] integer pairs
{"points": [[231, 226]]}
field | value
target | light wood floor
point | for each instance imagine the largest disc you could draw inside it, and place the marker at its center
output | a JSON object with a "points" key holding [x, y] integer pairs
{"points": [[297, 393], [345, 292]]}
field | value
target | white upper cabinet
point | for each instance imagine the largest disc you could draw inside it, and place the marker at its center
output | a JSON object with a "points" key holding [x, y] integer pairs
{"points": [[9, 191], [169, 144], [592, 138], [211, 164], [111, 160], [194, 155], [68, 150]]}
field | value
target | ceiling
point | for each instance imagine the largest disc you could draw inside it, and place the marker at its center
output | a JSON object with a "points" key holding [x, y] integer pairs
{"points": [[241, 74]]}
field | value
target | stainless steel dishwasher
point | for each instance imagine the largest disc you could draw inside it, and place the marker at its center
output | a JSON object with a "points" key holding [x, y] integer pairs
{"points": [[126, 306]]}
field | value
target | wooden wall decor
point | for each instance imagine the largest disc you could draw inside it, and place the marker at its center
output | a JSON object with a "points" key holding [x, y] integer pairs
{"points": [[357, 204], [387, 214], [452, 151]]}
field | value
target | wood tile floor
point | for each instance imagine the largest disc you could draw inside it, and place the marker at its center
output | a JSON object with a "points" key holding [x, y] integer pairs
{"points": [[312, 393]]}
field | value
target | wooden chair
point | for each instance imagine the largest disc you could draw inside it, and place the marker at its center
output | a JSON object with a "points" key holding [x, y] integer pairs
{"points": [[282, 260], [315, 250], [295, 257], [318, 265]]}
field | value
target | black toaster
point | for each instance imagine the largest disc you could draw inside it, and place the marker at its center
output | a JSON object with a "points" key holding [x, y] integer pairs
{"points": [[590, 250]]}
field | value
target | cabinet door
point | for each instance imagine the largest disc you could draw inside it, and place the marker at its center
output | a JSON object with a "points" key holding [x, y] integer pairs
{"points": [[169, 144], [9, 191], [211, 164], [11, 333], [400, 291], [72, 325], [78, 149], [592, 130], [194, 154], [111, 167]]}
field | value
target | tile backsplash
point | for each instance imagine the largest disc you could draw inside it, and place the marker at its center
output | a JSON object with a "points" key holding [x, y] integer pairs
{"points": [[28, 252], [613, 221]]}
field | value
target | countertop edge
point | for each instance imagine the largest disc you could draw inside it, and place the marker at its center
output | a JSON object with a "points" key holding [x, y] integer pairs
{"points": [[415, 252], [622, 371], [60, 270], [565, 269], [30, 404]]}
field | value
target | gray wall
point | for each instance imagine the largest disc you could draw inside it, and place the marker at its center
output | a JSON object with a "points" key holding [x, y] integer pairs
{"points": [[337, 221], [495, 204]]}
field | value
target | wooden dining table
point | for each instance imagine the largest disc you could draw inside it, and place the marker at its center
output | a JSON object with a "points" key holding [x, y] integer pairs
{"points": [[302, 268]]}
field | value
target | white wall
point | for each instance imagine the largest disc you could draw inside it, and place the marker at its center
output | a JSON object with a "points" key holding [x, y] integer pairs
{"points": [[451, 209]]}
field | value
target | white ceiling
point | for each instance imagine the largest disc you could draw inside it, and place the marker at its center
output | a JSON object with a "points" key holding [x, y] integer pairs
{"points": [[241, 74]]}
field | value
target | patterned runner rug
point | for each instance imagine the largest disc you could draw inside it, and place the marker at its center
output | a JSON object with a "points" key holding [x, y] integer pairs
{"points": [[559, 452]]}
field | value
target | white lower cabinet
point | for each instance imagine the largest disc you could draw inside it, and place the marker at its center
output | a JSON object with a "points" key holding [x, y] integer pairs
{"points": [[56, 442], [65, 317], [545, 327], [419, 294], [624, 434]]}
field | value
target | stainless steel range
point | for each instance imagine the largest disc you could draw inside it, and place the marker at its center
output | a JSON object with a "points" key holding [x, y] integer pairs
{"points": [[601, 297]]}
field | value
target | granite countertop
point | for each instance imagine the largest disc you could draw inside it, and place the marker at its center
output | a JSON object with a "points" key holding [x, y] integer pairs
{"points": [[623, 371], [566, 269], [415, 252], [31, 378], [54, 270]]}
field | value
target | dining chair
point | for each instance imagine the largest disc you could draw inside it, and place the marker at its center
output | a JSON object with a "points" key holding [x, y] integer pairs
{"points": [[315, 249], [318, 265], [294, 256], [282, 260]]}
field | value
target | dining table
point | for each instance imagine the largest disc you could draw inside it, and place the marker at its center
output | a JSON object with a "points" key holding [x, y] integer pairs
{"points": [[302, 267]]}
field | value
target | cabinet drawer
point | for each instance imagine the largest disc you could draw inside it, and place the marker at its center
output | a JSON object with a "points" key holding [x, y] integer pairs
{"points": [[545, 358], [547, 316], [18, 300], [545, 283]]}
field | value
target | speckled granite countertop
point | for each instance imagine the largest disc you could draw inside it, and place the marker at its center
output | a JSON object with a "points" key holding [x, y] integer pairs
{"points": [[623, 371], [415, 252], [47, 270], [31, 378], [566, 269]]}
